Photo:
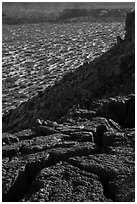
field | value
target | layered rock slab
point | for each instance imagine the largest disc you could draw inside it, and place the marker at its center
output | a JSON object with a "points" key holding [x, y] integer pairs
{"points": [[65, 183], [120, 109], [114, 171], [19, 173], [112, 162], [36, 144]]}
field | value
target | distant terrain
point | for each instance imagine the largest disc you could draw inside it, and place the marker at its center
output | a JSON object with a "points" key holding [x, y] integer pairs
{"points": [[27, 12]]}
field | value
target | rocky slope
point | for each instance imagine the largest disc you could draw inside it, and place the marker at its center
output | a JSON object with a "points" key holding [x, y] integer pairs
{"points": [[109, 75], [31, 64], [75, 140]]}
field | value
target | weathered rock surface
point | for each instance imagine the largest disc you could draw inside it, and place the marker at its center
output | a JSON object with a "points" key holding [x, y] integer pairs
{"points": [[120, 110], [94, 170], [64, 182], [86, 155], [112, 171], [109, 75], [130, 27]]}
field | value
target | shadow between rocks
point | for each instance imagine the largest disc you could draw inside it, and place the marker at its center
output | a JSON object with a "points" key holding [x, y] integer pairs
{"points": [[25, 179]]}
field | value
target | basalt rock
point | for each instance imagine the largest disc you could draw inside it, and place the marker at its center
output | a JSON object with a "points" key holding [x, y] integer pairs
{"points": [[42, 130], [81, 145], [120, 110], [112, 171], [65, 183], [18, 175], [130, 27], [108, 156]]}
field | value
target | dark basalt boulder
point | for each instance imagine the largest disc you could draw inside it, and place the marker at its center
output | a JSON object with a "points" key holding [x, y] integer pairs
{"points": [[114, 171], [65, 183]]}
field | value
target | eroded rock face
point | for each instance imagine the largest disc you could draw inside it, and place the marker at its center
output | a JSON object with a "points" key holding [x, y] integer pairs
{"points": [[64, 182], [87, 160], [109, 75], [130, 27], [120, 110], [89, 153]]}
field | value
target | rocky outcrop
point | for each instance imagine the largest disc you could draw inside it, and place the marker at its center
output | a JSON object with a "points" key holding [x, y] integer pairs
{"points": [[130, 27], [120, 110], [111, 74], [88, 153], [93, 159], [67, 183]]}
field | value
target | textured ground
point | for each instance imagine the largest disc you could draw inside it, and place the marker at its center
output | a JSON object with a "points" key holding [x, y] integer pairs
{"points": [[34, 57], [87, 158], [87, 151]]}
